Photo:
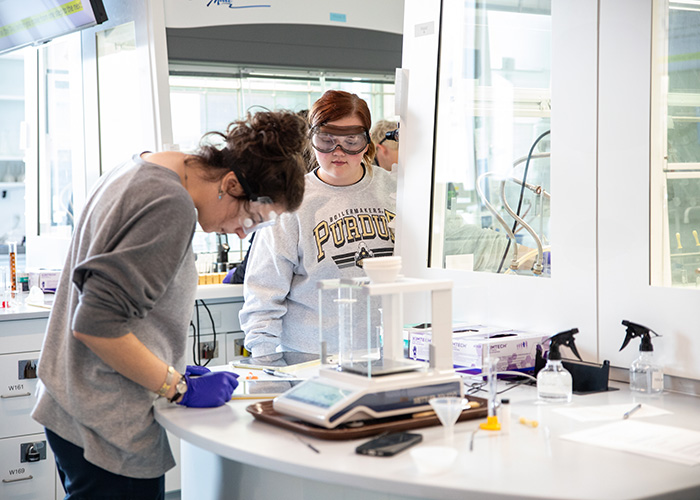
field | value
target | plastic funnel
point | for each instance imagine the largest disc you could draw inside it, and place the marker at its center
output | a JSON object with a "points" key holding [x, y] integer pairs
{"points": [[448, 411]]}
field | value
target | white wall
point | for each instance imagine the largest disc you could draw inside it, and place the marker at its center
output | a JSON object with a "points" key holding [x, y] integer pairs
{"points": [[366, 14], [600, 176], [623, 187]]}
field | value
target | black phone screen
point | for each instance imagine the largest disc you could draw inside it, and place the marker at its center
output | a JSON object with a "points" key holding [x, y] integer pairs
{"points": [[389, 445]]}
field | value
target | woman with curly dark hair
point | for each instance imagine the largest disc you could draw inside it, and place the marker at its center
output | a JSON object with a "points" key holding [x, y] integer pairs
{"points": [[116, 337]]}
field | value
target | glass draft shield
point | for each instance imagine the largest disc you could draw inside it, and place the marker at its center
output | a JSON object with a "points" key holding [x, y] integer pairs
{"points": [[352, 140]]}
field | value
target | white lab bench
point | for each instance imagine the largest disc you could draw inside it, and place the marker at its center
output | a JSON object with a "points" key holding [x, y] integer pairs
{"points": [[21, 337], [227, 454]]}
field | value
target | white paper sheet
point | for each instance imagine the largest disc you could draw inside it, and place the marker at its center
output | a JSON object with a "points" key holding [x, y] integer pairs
{"points": [[610, 412], [652, 440]]}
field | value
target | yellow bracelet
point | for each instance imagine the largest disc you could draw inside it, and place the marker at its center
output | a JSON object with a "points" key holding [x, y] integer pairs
{"points": [[168, 382]]}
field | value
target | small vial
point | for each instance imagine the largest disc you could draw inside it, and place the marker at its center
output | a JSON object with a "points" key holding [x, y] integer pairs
{"points": [[505, 416]]}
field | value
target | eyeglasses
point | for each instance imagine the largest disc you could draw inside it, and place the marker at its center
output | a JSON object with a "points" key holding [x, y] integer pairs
{"points": [[392, 135], [352, 140]]}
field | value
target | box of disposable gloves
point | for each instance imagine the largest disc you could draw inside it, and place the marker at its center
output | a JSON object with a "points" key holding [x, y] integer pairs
{"points": [[473, 344]]}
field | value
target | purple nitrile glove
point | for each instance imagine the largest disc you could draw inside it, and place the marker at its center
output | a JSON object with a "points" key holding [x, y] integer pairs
{"points": [[196, 370], [210, 390]]}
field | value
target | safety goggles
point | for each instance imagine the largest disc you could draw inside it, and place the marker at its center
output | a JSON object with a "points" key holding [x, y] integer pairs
{"points": [[258, 213], [392, 135], [352, 140]]}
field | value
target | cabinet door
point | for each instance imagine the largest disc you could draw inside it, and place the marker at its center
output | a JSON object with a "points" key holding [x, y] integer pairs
{"points": [[27, 468], [18, 393], [22, 335]]}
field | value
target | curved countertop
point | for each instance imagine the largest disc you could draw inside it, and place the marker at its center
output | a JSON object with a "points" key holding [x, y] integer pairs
{"points": [[524, 463]]}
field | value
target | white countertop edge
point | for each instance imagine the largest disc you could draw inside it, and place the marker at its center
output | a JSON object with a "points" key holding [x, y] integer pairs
{"points": [[221, 291], [26, 312], [204, 292]]}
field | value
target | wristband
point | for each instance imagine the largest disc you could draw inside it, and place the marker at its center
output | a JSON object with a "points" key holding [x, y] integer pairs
{"points": [[168, 382]]}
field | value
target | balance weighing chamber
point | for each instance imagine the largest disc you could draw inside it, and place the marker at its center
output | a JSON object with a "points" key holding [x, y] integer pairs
{"points": [[364, 374]]}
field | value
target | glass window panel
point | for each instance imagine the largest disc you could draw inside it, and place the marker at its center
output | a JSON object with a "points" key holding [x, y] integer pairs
{"points": [[493, 109], [12, 168], [120, 119], [202, 102], [60, 134], [676, 153], [221, 109]]}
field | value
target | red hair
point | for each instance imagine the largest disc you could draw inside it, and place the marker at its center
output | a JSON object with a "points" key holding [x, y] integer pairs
{"points": [[336, 104]]}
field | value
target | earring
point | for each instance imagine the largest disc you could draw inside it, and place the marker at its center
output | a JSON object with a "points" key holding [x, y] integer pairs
{"points": [[221, 193]]}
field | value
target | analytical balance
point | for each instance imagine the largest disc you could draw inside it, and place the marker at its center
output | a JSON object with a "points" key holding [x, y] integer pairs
{"points": [[364, 373]]}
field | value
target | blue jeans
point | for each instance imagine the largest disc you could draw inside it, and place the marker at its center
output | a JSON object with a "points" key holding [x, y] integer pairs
{"points": [[85, 481]]}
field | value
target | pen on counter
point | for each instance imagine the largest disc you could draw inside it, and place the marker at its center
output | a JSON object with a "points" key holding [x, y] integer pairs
{"points": [[628, 413], [276, 373], [307, 443]]}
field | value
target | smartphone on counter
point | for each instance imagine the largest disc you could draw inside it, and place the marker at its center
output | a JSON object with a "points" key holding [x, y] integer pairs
{"points": [[389, 444]]}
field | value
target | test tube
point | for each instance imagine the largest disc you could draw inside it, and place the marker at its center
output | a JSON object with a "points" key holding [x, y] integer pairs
{"points": [[4, 295], [491, 380]]}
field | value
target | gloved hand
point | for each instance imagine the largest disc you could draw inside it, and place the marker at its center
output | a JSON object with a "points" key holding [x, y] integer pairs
{"points": [[210, 390], [196, 370]]}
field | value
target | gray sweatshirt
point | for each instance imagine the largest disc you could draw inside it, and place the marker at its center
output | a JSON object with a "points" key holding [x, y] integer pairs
{"points": [[334, 229], [130, 268]]}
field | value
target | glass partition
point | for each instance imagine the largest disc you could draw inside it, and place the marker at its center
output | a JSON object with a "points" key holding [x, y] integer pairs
{"points": [[208, 97], [61, 143], [675, 156], [491, 176]]}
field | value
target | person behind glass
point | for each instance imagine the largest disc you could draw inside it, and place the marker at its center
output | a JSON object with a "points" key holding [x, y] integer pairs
{"points": [[344, 218], [385, 134], [117, 333]]}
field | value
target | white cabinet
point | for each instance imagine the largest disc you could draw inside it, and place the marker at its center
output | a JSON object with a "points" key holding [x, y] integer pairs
{"points": [[27, 466], [18, 393], [215, 318], [209, 316]]}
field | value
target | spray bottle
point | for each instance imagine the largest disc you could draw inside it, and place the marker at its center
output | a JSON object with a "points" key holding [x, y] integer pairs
{"points": [[645, 375], [554, 382]]}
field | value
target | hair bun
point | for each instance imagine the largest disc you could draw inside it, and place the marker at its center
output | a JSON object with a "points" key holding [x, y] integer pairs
{"points": [[269, 134]]}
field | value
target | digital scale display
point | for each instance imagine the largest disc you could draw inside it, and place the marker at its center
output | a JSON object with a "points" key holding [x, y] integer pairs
{"points": [[317, 394]]}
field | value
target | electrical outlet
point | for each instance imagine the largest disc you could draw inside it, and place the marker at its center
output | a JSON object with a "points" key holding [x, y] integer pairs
{"points": [[209, 350]]}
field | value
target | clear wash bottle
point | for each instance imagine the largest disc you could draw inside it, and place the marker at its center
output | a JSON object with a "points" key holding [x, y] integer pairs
{"points": [[645, 375], [554, 382]]}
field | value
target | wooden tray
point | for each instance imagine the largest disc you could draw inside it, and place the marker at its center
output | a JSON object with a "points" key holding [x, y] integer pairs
{"points": [[264, 412]]}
